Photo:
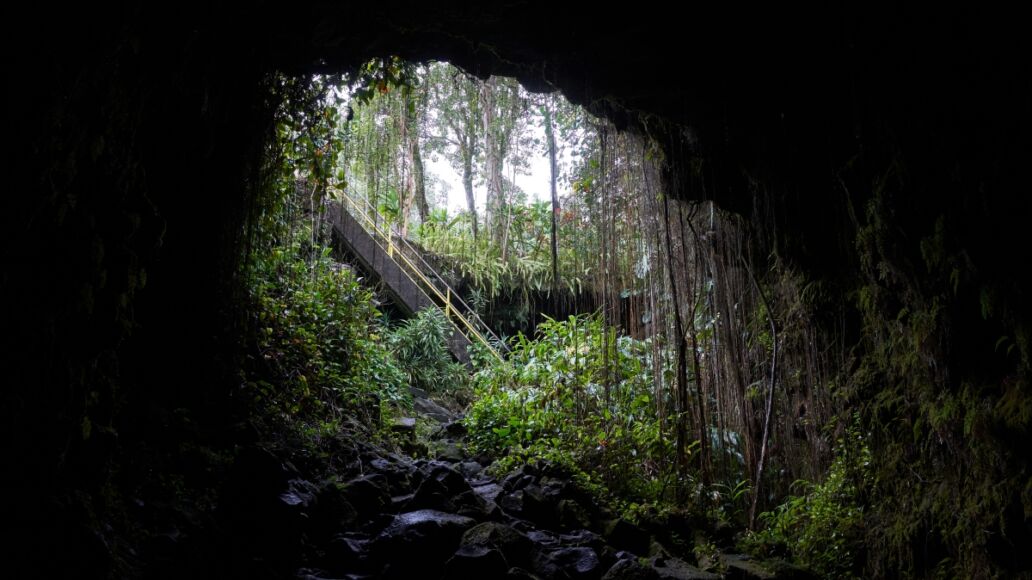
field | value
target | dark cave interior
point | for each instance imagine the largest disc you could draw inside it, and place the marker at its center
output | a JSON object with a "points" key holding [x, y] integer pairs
{"points": [[138, 130]]}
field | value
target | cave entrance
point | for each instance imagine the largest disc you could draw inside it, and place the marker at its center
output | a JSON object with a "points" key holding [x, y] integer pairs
{"points": [[548, 239]]}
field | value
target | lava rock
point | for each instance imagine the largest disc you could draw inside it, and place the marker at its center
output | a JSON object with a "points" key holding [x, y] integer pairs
{"points": [[427, 407], [574, 563], [335, 511], [449, 451], [489, 491], [630, 569], [740, 567], [530, 504], [473, 506], [432, 494], [677, 569], [515, 546], [369, 495], [346, 554], [475, 562], [572, 515], [413, 544], [399, 474], [582, 538], [469, 469], [520, 574], [517, 480], [405, 426], [542, 538], [624, 535], [455, 429], [452, 480]]}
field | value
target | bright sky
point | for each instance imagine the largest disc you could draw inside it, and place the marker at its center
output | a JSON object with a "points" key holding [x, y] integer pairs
{"points": [[445, 183], [448, 184]]}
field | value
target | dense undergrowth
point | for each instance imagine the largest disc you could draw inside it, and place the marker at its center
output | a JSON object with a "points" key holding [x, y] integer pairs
{"points": [[320, 348], [581, 395], [579, 392], [322, 357], [578, 395], [823, 527]]}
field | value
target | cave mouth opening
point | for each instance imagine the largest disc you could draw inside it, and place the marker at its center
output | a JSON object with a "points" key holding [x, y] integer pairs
{"points": [[877, 169], [632, 393]]}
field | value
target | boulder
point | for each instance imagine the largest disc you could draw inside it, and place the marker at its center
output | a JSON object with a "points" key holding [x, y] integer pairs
{"points": [[630, 569], [472, 505], [572, 515], [335, 511], [515, 546], [582, 538], [677, 569], [432, 494], [469, 469], [416, 544], [399, 475], [404, 426], [624, 535], [345, 554], [529, 503], [475, 562], [489, 491], [517, 480], [369, 494], [574, 563], [448, 451], [520, 574], [427, 407], [451, 479], [455, 429], [740, 567], [543, 539]]}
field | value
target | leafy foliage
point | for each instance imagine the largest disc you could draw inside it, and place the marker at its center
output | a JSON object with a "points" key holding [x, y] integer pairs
{"points": [[420, 346], [317, 337], [579, 390], [824, 527], [523, 267], [318, 351]]}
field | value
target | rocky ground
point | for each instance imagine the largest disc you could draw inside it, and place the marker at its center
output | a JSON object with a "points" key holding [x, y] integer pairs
{"points": [[386, 515]]}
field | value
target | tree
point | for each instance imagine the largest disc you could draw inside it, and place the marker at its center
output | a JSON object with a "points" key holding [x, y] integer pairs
{"points": [[455, 99], [546, 110], [412, 112], [501, 107]]}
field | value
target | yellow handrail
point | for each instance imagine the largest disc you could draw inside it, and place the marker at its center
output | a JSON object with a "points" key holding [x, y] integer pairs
{"points": [[373, 228]]}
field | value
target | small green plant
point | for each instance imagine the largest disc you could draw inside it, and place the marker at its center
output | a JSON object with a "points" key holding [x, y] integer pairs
{"points": [[317, 341], [420, 345], [580, 390], [730, 502], [708, 556], [823, 528]]}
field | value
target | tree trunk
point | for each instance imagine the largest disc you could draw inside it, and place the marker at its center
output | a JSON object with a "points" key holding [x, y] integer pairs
{"points": [[405, 185], [466, 149], [681, 407], [550, 136], [414, 118], [492, 160]]}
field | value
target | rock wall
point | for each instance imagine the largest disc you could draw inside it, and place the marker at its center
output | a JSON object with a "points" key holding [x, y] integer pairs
{"points": [[879, 150]]}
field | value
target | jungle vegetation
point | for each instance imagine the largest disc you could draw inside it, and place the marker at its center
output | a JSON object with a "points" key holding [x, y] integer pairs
{"points": [[707, 375]]}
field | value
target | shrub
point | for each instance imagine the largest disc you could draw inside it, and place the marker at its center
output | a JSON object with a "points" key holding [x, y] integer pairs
{"points": [[420, 346], [317, 339], [823, 529], [581, 390]]}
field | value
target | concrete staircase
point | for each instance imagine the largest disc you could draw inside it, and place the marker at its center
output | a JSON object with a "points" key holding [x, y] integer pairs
{"points": [[407, 281]]}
